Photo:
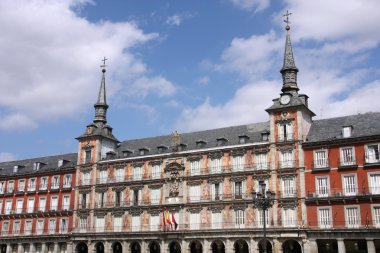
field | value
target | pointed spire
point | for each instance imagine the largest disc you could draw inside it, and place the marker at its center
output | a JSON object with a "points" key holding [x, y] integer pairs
{"points": [[289, 69], [101, 104]]}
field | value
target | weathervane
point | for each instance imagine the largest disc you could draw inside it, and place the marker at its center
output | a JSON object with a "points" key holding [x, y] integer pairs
{"points": [[103, 66], [287, 14]]}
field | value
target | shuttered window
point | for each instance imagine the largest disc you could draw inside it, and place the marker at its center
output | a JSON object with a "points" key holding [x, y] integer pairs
{"points": [[195, 193], [136, 223], [324, 217], [155, 195], [194, 221], [261, 161], [99, 224], [155, 222], [349, 185], [238, 163], [137, 173], [320, 159], [376, 216], [288, 187], [352, 217], [372, 155], [156, 171], [195, 168], [289, 217], [239, 218], [347, 156], [216, 166], [322, 184], [286, 159], [117, 223], [374, 183], [216, 191], [216, 220]]}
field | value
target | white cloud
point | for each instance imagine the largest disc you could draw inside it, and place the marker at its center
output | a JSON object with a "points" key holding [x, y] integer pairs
{"points": [[177, 19], [204, 80], [51, 56], [250, 5], [5, 157], [157, 85]]}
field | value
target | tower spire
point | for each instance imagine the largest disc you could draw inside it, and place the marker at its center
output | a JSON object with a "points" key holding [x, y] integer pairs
{"points": [[289, 69], [101, 104]]}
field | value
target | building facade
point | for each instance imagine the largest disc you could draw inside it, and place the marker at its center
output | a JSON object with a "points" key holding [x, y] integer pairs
{"points": [[290, 184], [36, 204]]}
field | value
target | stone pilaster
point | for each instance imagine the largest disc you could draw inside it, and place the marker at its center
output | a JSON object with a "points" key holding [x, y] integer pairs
{"points": [[253, 246], [144, 247], [341, 246], [277, 246], [32, 248], [126, 247], [184, 247], [56, 248], [69, 247], [371, 246], [20, 248], [311, 246]]}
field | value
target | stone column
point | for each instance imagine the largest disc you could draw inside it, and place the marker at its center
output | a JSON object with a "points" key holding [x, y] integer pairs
{"points": [[184, 247], [253, 246], [164, 247], [43, 248], [229, 246], [20, 248], [69, 247], [32, 248], [371, 246], [107, 247], [144, 247], [341, 246], [126, 247], [310, 246], [9, 248], [56, 247], [277, 246]]}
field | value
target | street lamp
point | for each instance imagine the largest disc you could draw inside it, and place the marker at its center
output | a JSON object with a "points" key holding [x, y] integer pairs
{"points": [[263, 200]]}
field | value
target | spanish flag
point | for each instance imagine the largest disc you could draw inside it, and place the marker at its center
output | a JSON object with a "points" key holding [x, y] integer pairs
{"points": [[174, 221], [167, 215]]}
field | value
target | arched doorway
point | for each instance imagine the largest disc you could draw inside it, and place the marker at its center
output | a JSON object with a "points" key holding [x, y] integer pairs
{"points": [[327, 246], [81, 248], [174, 247], [291, 246], [135, 247], [241, 246], [195, 247], [218, 247], [117, 248], [265, 246], [154, 247], [99, 247]]}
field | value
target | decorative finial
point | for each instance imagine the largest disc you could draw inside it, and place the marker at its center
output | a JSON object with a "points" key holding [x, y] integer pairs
{"points": [[103, 66], [287, 14]]}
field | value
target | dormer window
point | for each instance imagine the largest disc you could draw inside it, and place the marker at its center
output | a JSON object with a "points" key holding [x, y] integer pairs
{"points": [[60, 163], [127, 153], [182, 147], [16, 168], [265, 136], [243, 139], [143, 151], [110, 155], [221, 141], [346, 131], [162, 149], [200, 143]]}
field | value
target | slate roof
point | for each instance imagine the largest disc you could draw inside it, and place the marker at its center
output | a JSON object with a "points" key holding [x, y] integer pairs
{"points": [[50, 163], [252, 131], [367, 124]]}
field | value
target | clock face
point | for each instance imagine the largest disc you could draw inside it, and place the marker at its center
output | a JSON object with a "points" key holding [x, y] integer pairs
{"points": [[285, 99]]}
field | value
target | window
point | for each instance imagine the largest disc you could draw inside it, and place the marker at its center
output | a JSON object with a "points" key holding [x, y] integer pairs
{"points": [[285, 132], [238, 163], [83, 224], [51, 226], [376, 216], [155, 196], [2, 184], [195, 193], [55, 182], [195, 168], [84, 200], [239, 219], [349, 185], [322, 186], [40, 227], [87, 154], [99, 224], [43, 183], [289, 217], [260, 218], [119, 174], [156, 171], [216, 220], [103, 176], [320, 159], [137, 173], [117, 223], [54, 203], [347, 156], [118, 198], [8, 207], [10, 187], [372, 153], [19, 204], [286, 159], [216, 191], [85, 178], [154, 222], [21, 185], [67, 181], [135, 197], [101, 199], [30, 205], [238, 189], [28, 227], [346, 131], [374, 183], [216, 166], [195, 219], [66, 202], [1, 206], [261, 161], [63, 226], [324, 217], [136, 223], [5, 228], [288, 187], [16, 227], [352, 217], [36, 166], [42, 205], [32, 184]]}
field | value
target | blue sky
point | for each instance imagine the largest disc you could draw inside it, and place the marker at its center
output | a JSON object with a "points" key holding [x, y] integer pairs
{"points": [[186, 65]]}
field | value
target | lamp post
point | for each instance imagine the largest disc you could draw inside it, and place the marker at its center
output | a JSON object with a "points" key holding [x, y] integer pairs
{"points": [[263, 200]]}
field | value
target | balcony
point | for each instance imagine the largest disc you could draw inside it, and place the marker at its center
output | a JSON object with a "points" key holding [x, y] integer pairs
{"points": [[32, 232], [31, 189], [344, 194], [321, 165], [339, 223], [291, 193], [289, 164], [371, 160], [285, 137], [347, 163], [33, 210]]}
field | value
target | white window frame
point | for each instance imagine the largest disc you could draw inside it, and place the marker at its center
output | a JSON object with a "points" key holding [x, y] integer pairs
{"points": [[67, 180], [100, 222], [55, 182], [19, 209], [42, 208], [372, 158], [288, 127], [103, 176], [45, 185], [120, 174], [216, 165], [40, 223], [1, 206], [154, 222], [374, 189], [63, 225], [137, 172], [83, 224], [194, 193], [322, 191], [216, 220], [8, 207], [65, 205], [376, 215], [287, 158], [21, 185], [135, 223], [216, 192], [346, 131], [194, 220], [259, 218], [242, 192], [238, 163], [261, 161], [5, 228], [321, 162], [239, 216], [351, 190], [32, 186], [2, 184], [349, 223], [30, 208], [54, 207], [195, 168], [156, 171], [117, 223], [26, 230], [52, 225], [289, 217], [11, 186], [155, 196], [288, 187], [16, 229], [347, 160], [322, 221]]}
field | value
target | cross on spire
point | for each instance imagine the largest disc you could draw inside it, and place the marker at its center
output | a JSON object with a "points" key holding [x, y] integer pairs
{"points": [[104, 63], [287, 14]]}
